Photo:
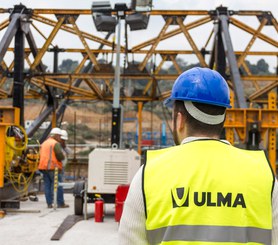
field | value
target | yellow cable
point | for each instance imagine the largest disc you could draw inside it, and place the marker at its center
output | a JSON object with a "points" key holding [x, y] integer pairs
{"points": [[25, 139]]}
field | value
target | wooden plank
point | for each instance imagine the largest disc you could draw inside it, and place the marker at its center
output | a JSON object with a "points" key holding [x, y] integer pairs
{"points": [[68, 222]]}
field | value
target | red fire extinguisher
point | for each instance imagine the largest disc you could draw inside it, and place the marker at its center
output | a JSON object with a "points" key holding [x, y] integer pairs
{"points": [[99, 214]]}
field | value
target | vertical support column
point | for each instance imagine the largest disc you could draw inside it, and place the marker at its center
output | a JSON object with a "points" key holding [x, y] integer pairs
{"points": [[18, 91], [230, 135], [2, 155], [54, 119], [226, 38], [140, 108], [272, 98], [219, 51]]}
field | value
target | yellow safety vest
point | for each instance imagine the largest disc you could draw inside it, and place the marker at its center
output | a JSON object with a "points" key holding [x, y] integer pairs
{"points": [[208, 192]]}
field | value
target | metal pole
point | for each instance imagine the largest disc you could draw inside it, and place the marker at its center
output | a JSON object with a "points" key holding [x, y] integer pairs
{"points": [[18, 92], [116, 110], [116, 93]]}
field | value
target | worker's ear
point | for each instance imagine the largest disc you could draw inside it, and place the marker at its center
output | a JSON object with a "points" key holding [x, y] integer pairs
{"points": [[180, 121]]}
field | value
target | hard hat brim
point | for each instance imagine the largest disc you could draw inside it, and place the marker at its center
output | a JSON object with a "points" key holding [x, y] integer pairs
{"points": [[169, 102]]}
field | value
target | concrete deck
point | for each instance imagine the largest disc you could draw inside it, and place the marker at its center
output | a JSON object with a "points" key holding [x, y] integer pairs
{"points": [[35, 224]]}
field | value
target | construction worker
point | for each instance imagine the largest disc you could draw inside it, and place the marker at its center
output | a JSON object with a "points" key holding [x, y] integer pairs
{"points": [[204, 190], [65, 148], [51, 156]]}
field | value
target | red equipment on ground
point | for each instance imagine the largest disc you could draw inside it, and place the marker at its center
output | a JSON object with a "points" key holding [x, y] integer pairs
{"points": [[121, 194], [99, 214]]}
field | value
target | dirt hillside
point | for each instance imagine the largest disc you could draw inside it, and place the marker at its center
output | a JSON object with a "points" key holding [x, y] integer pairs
{"points": [[95, 120]]}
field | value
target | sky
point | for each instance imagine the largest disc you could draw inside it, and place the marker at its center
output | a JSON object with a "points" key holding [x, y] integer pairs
{"points": [[265, 5]]}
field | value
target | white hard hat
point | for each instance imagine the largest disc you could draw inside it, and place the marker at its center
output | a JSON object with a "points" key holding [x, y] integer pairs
{"points": [[56, 131], [64, 135]]}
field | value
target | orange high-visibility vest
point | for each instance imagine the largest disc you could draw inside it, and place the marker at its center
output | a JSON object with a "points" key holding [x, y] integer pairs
{"points": [[48, 160]]}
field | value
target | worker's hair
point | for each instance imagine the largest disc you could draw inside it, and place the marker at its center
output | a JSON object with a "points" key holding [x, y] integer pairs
{"points": [[196, 127]]}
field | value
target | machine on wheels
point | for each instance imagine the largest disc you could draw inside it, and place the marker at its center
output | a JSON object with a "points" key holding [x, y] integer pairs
{"points": [[107, 169], [18, 162]]}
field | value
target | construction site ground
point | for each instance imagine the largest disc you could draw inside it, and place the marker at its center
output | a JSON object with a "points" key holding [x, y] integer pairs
{"points": [[35, 224]]}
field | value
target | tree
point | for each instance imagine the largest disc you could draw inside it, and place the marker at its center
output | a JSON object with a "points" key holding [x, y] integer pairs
{"points": [[68, 66]]}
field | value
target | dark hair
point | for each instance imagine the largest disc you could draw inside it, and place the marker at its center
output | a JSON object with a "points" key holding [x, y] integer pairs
{"points": [[194, 126]]}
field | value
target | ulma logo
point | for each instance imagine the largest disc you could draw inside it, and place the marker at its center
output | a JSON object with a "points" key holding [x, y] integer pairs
{"points": [[181, 198]]}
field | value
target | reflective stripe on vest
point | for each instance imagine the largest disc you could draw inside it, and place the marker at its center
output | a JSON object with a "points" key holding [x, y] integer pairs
{"points": [[207, 191], [48, 160], [209, 234]]}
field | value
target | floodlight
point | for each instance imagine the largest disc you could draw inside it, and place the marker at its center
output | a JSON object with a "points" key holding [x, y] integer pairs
{"points": [[137, 21], [101, 7], [141, 5], [102, 16], [105, 22]]}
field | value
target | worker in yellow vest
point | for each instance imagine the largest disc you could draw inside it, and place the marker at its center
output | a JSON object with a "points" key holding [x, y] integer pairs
{"points": [[51, 156], [204, 190]]}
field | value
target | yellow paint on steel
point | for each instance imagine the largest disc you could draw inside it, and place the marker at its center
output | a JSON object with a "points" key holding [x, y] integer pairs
{"points": [[140, 108], [47, 43], [2, 155], [272, 98], [191, 42], [8, 116], [251, 42], [252, 31], [82, 39], [151, 50]]}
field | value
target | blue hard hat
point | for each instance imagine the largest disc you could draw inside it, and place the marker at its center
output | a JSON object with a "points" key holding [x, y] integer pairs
{"points": [[201, 85]]}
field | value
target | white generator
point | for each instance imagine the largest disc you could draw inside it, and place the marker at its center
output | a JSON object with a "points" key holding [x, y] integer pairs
{"points": [[109, 168]]}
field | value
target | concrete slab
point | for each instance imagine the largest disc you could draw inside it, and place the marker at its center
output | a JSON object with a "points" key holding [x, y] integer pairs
{"points": [[35, 224]]}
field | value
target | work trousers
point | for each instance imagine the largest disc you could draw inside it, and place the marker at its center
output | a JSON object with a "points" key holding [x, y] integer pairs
{"points": [[48, 178]]}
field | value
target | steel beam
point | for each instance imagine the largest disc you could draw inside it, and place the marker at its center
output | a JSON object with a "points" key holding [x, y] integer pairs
{"points": [[191, 42], [238, 88], [18, 84], [251, 42], [218, 58], [82, 39], [71, 30], [4, 24], [151, 50], [63, 86], [9, 35], [172, 33], [148, 85], [39, 120], [172, 58], [259, 78], [157, 51], [92, 85], [47, 43], [246, 68], [263, 91], [275, 23], [252, 31]]}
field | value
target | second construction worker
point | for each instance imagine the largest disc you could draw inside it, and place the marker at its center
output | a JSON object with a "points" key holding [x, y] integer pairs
{"points": [[51, 156]]}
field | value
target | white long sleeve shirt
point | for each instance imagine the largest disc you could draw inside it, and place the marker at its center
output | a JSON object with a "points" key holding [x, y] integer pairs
{"points": [[132, 230]]}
